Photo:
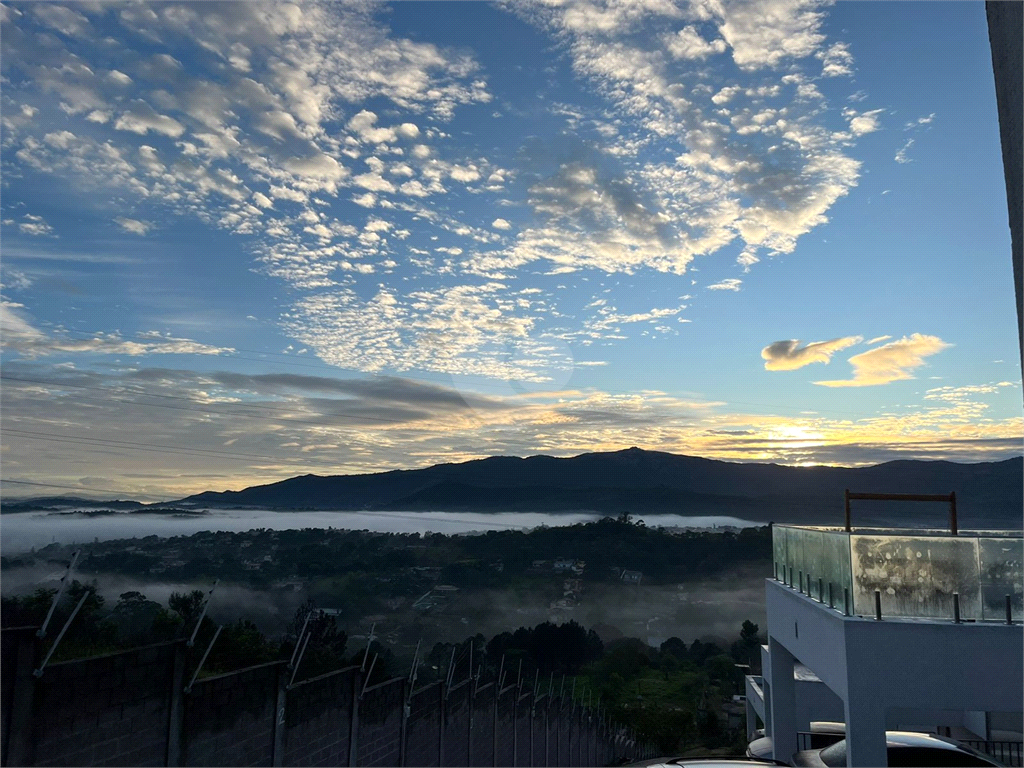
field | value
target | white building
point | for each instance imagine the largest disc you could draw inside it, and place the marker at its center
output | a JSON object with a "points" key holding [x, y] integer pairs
{"points": [[862, 629]]}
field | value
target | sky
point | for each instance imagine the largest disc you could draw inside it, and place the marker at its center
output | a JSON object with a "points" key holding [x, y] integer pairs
{"points": [[251, 240]]}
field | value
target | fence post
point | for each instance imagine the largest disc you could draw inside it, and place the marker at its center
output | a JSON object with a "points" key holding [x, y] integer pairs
{"points": [[19, 748], [403, 731], [279, 716], [176, 710], [515, 727], [547, 713], [470, 720], [353, 721], [494, 731], [443, 711]]}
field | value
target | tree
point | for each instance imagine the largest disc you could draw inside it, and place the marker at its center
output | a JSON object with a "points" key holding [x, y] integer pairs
{"points": [[325, 649], [134, 617], [675, 647]]}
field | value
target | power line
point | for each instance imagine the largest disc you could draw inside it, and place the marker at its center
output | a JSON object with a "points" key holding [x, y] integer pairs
{"points": [[55, 485]]}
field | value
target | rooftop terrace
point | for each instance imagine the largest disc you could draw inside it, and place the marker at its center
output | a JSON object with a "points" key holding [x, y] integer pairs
{"points": [[971, 576]]}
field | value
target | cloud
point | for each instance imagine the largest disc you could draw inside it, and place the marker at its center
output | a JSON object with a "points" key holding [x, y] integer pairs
{"points": [[21, 337], [501, 224], [964, 393], [890, 362], [789, 355], [142, 118], [901, 153], [729, 284], [31, 224], [836, 60], [923, 120], [134, 226], [687, 43], [864, 122]]}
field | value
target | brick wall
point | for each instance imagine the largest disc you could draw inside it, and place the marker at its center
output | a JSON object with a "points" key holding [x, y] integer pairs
{"points": [[229, 719], [380, 723], [482, 730], [107, 710], [421, 732], [317, 719]]}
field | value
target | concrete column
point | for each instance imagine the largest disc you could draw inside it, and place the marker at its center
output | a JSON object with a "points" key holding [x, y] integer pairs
{"points": [[865, 731], [783, 701], [751, 718], [176, 710]]}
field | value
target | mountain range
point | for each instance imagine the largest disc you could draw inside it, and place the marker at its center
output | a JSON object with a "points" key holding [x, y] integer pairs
{"points": [[989, 494]]}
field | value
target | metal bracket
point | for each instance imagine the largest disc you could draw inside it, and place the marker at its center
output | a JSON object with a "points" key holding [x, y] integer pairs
{"points": [[192, 640], [188, 688], [39, 672], [60, 591]]}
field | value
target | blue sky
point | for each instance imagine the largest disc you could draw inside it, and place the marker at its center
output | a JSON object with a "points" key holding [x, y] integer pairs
{"points": [[245, 241]]}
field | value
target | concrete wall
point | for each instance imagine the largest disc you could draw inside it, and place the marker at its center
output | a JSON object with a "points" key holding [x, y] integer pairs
{"points": [[317, 719], [131, 708], [456, 724], [1006, 39], [380, 723], [108, 710], [482, 727], [424, 726], [230, 719]]}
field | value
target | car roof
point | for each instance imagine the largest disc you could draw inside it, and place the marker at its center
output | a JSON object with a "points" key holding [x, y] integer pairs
{"points": [[915, 739]]}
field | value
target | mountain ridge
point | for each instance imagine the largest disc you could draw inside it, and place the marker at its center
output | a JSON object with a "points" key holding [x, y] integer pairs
{"points": [[648, 482]]}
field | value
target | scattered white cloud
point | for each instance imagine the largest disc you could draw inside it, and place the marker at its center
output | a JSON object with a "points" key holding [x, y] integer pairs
{"points": [[729, 284], [501, 224], [863, 122], [142, 118], [31, 224], [836, 60], [891, 362], [789, 355], [134, 226], [901, 153], [924, 120]]}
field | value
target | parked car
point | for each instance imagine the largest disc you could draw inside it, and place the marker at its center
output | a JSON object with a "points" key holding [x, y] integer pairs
{"points": [[822, 734], [904, 749], [701, 762]]}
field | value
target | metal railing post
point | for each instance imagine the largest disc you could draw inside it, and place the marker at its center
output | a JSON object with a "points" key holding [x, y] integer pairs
{"points": [[956, 607], [878, 605], [39, 672]]}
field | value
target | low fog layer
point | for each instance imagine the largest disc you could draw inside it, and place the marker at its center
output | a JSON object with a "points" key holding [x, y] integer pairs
{"points": [[37, 529]]}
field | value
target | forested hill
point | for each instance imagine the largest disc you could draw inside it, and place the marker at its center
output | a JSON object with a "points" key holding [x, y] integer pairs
{"points": [[649, 482]]}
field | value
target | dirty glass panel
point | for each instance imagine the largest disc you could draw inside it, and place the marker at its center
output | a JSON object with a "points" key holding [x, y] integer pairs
{"points": [[917, 575], [835, 564], [779, 533], [1001, 562], [814, 558]]}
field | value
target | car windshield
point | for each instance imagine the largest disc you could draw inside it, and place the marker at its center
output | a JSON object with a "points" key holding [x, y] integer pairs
{"points": [[834, 755]]}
